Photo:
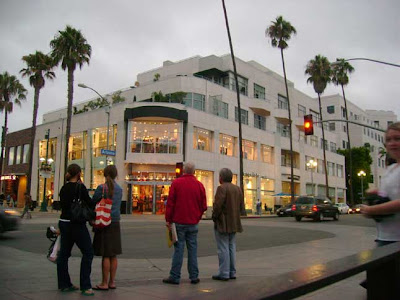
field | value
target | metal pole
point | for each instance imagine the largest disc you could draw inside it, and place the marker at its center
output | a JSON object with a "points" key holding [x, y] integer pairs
{"points": [[312, 181], [362, 187], [43, 207]]}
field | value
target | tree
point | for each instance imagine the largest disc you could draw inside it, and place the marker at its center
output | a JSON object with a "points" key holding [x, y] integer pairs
{"points": [[11, 91], [341, 69], [319, 70], [71, 49], [38, 68], [280, 33]]}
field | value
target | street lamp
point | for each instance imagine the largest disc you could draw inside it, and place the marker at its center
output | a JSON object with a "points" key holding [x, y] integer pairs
{"points": [[362, 174], [312, 164], [368, 59], [108, 110]]}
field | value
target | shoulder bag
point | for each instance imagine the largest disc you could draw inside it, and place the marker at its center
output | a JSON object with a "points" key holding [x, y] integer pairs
{"points": [[103, 211], [80, 211]]}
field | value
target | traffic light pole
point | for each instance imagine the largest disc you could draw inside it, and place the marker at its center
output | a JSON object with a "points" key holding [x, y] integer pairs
{"points": [[352, 122]]}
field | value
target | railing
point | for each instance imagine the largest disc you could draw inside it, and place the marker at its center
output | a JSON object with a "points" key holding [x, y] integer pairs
{"points": [[383, 275]]}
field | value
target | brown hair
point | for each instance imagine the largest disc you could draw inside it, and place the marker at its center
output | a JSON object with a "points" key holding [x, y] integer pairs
{"points": [[394, 126], [72, 171], [110, 173]]}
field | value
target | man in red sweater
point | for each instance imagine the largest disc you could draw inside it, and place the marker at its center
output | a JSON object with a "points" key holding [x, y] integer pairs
{"points": [[185, 206]]}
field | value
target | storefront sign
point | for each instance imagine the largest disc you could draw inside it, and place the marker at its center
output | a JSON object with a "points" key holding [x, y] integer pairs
{"points": [[8, 177], [107, 152]]}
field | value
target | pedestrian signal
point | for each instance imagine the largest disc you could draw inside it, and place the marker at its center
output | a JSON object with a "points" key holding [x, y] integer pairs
{"points": [[178, 169], [308, 125]]}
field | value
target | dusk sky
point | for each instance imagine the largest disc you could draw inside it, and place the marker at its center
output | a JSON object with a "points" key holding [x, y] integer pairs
{"points": [[129, 37]]}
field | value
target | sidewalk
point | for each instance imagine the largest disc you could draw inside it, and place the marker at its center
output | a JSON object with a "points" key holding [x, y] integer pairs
{"points": [[30, 276]]}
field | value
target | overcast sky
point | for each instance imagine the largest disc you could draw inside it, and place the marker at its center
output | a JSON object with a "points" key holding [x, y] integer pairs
{"points": [[132, 36]]}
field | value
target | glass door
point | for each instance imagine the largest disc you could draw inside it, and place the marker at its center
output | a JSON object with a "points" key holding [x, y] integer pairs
{"points": [[142, 199], [161, 198]]}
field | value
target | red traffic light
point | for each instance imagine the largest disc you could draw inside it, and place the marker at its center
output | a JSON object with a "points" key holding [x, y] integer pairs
{"points": [[308, 125], [178, 169]]}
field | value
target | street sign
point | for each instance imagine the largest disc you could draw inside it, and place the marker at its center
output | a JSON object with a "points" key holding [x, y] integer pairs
{"points": [[107, 152]]}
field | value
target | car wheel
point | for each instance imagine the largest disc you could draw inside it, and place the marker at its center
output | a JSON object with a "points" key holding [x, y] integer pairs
{"points": [[336, 216], [319, 217], [298, 218]]}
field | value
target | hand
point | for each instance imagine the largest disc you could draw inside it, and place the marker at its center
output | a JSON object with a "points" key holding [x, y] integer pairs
{"points": [[168, 224], [365, 210]]}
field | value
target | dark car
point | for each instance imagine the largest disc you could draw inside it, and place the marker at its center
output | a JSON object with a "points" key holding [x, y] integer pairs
{"points": [[316, 208], [9, 219], [284, 211], [356, 209]]}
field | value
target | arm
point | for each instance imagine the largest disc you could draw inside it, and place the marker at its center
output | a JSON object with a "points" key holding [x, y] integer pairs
{"points": [[98, 194], [382, 209], [170, 205], [219, 203], [85, 196]]}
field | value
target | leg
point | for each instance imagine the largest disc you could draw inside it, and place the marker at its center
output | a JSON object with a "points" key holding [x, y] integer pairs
{"points": [[113, 271], [177, 259], [191, 244], [67, 242], [84, 243], [232, 255], [105, 270], [222, 240]]}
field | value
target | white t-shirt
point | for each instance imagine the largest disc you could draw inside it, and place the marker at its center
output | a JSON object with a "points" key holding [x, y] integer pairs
{"points": [[389, 227]]}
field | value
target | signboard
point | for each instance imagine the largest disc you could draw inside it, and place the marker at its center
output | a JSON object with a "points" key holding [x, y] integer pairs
{"points": [[8, 177], [107, 152]]}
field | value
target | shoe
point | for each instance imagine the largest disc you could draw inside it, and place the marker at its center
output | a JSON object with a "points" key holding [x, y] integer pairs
{"points": [[169, 280], [99, 288], [72, 288], [232, 277], [364, 284], [217, 277], [88, 292], [195, 281], [112, 287]]}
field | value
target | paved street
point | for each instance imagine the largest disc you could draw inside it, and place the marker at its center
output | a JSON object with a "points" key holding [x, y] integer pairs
{"points": [[269, 246]]}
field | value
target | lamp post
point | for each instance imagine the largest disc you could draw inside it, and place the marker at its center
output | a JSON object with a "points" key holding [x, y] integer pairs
{"points": [[45, 166], [362, 174], [108, 110], [371, 60], [312, 164]]}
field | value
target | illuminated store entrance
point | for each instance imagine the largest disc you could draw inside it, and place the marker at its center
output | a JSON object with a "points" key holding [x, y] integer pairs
{"points": [[149, 198]]}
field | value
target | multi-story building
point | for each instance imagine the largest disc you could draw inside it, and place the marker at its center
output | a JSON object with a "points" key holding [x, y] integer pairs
{"points": [[187, 111]]}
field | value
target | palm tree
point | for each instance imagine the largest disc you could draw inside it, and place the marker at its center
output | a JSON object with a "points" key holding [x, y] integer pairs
{"points": [[38, 67], [280, 33], [320, 71], [71, 49], [12, 91], [341, 69]]}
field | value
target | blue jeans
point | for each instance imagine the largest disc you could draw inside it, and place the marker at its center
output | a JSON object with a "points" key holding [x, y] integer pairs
{"points": [[226, 245], [70, 234], [186, 234]]}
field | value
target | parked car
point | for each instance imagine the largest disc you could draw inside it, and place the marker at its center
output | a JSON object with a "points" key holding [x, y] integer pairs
{"points": [[316, 208], [284, 211], [343, 208], [356, 209], [9, 219]]}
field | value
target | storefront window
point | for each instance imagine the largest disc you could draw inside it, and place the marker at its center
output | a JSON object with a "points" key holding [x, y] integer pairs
{"points": [[267, 190], [266, 154], [77, 146], [98, 177], [226, 145], [48, 156], [25, 154], [155, 137], [99, 140], [202, 139], [250, 192], [249, 150], [207, 179]]}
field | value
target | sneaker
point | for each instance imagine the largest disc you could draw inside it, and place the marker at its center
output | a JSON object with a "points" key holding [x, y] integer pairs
{"points": [[195, 281], [217, 277], [232, 277], [169, 280]]}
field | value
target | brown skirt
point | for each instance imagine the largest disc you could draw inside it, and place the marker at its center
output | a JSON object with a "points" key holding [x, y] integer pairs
{"points": [[107, 241]]}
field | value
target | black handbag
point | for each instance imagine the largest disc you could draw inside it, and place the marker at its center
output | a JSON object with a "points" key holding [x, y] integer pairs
{"points": [[80, 211]]}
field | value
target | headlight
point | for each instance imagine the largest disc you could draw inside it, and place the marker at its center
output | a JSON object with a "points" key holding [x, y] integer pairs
{"points": [[11, 212]]}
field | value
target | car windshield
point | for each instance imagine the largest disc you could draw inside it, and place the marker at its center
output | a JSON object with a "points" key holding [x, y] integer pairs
{"points": [[305, 200]]}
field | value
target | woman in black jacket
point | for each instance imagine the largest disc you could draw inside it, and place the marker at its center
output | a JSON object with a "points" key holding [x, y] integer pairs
{"points": [[74, 232]]}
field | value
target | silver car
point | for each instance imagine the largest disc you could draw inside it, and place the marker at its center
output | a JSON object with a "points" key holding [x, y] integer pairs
{"points": [[343, 208]]}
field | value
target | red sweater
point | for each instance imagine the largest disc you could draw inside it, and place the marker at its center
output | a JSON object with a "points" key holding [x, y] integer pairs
{"points": [[186, 201]]}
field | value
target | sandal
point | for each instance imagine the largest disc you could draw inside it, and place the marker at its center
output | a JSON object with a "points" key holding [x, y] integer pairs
{"points": [[88, 292], [72, 288]]}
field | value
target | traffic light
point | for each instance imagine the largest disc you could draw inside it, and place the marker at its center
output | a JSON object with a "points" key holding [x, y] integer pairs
{"points": [[178, 169], [308, 125]]}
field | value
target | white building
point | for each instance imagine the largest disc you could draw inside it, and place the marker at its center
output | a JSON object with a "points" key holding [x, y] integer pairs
{"points": [[150, 132]]}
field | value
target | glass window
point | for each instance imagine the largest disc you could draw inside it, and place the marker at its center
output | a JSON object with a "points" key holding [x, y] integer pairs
{"points": [[282, 102], [302, 110], [18, 155], [244, 116], [260, 122], [155, 137], [331, 168], [285, 158], [259, 91], [243, 84], [25, 154], [314, 141], [51, 152], [267, 154], [11, 152], [332, 126], [77, 145], [226, 145], [207, 179], [333, 147], [249, 150], [320, 166], [282, 129], [316, 117], [331, 109], [197, 101], [202, 139], [324, 143], [250, 192], [267, 190], [219, 108]]}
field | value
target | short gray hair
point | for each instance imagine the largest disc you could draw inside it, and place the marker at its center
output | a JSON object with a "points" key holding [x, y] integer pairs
{"points": [[189, 168], [226, 175]]}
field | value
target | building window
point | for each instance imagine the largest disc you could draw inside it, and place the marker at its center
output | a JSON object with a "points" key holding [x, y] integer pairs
{"points": [[226, 145], [249, 150], [285, 159], [259, 122], [155, 137], [371, 178], [330, 109], [343, 112], [197, 101], [282, 129], [332, 126], [320, 166], [250, 192], [267, 154], [267, 190], [244, 116], [331, 168], [259, 91], [11, 153], [202, 139], [219, 108], [333, 147], [339, 171], [344, 144], [324, 144], [77, 144], [314, 141], [316, 117], [18, 155], [207, 179], [25, 154], [301, 110], [282, 102], [242, 82]]}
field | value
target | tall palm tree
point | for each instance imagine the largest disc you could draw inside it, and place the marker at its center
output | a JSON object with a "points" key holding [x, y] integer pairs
{"points": [[280, 33], [71, 49], [320, 71], [38, 67], [340, 70], [12, 91]]}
